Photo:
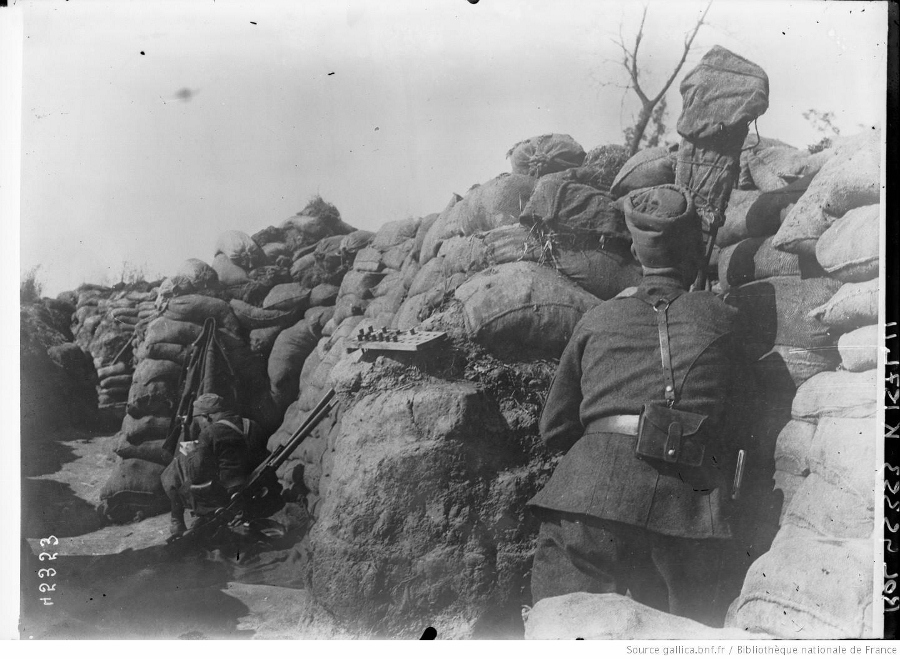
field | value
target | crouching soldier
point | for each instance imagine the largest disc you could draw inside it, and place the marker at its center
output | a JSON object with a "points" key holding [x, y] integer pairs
{"points": [[207, 471], [641, 501]]}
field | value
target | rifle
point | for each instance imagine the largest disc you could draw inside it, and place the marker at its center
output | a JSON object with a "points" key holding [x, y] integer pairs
{"points": [[190, 381], [715, 223], [261, 481]]}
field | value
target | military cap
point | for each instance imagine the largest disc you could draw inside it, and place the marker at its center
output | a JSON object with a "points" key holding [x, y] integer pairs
{"points": [[208, 404], [664, 227]]}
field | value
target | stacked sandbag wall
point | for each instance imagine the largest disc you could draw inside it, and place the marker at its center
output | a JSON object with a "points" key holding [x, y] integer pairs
{"points": [[57, 377], [816, 579], [416, 482]]}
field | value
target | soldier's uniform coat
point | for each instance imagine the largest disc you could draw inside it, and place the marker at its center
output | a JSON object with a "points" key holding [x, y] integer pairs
{"points": [[612, 366]]}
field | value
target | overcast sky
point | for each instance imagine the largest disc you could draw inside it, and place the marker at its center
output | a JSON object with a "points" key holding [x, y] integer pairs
{"points": [[150, 127]]}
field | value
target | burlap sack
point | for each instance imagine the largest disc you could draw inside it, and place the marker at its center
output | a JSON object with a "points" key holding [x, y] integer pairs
{"points": [[837, 393], [859, 348], [808, 587], [847, 181], [852, 306], [848, 250], [545, 154]]}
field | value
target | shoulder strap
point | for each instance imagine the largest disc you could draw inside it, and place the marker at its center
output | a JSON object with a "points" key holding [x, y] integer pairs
{"points": [[661, 307], [225, 422], [662, 319]]}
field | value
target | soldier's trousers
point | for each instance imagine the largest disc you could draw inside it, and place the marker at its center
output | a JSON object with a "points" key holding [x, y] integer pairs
{"points": [[690, 578]]}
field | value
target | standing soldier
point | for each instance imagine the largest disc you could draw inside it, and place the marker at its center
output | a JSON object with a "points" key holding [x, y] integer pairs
{"points": [[642, 402]]}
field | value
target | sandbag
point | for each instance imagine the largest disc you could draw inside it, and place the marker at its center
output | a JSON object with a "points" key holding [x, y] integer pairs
{"points": [[545, 154], [394, 233], [429, 221], [108, 397], [151, 451], [754, 259], [774, 167], [775, 311], [276, 249], [393, 281], [116, 381], [368, 259], [359, 284], [291, 349], [270, 276], [329, 254], [859, 348], [119, 368], [197, 308], [262, 339], [395, 256], [837, 393], [133, 488], [317, 317], [829, 511], [510, 243], [843, 454], [347, 306], [310, 364], [251, 317], [852, 306], [329, 327], [785, 368], [386, 304], [708, 169], [323, 295], [498, 202], [722, 92], [755, 142], [808, 587], [793, 447], [355, 241], [156, 398], [172, 352], [166, 330], [145, 428], [601, 165], [848, 249], [228, 273], [199, 273], [522, 308], [463, 254], [645, 169], [412, 312], [287, 297], [431, 275], [149, 370], [601, 272], [240, 249], [573, 209], [847, 181], [301, 265]]}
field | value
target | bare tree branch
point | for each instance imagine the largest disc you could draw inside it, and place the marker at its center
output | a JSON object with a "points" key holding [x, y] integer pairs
{"points": [[688, 40], [634, 56], [629, 62]]}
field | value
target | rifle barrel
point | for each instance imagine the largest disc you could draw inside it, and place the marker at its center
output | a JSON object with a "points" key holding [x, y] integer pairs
{"points": [[312, 420]]}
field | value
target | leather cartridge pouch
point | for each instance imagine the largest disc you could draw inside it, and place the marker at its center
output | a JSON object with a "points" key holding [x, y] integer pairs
{"points": [[671, 436], [667, 436]]}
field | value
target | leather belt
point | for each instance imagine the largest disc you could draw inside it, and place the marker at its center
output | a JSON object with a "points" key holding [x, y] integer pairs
{"points": [[623, 424]]}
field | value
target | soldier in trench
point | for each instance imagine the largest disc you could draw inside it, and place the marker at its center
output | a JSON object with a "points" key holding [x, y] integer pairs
{"points": [[644, 513], [205, 472]]}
